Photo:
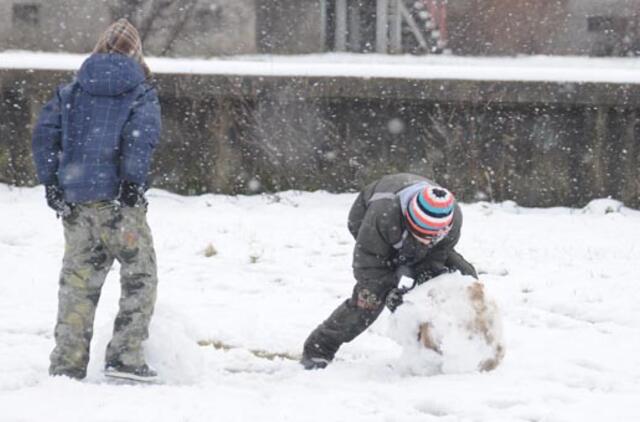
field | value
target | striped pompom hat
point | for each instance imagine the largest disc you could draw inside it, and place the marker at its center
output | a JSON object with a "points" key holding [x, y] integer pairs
{"points": [[430, 212]]}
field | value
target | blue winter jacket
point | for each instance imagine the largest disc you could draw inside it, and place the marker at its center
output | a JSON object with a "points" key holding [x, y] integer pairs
{"points": [[98, 130]]}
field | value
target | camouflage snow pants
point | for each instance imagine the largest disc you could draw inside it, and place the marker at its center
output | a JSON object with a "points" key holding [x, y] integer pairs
{"points": [[96, 234]]}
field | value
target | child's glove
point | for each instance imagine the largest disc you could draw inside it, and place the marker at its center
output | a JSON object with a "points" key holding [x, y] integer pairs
{"points": [[394, 299], [131, 195], [55, 201], [425, 276]]}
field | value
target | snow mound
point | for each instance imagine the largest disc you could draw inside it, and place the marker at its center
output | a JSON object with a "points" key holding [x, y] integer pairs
{"points": [[172, 348], [489, 208], [603, 206], [448, 325]]}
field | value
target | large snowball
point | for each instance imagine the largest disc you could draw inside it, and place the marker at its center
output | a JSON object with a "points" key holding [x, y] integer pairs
{"points": [[448, 325]]}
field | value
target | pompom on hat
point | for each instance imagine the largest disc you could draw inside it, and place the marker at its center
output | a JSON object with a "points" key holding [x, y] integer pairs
{"points": [[430, 213]]}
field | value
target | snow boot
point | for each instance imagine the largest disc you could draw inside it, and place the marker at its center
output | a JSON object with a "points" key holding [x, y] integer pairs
{"points": [[76, 374], [310, 363], [142, 373]]}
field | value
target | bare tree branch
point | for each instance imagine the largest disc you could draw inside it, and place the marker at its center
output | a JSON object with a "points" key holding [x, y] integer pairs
{"points": [[179, 26], [156, 11], [164, 21]]}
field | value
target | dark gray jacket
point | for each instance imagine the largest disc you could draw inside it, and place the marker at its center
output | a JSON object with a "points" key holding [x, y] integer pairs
{"points": [[384, 249]]}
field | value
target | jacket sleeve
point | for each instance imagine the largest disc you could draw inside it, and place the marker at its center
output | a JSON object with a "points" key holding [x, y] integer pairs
{"points": [[140, 135], [436, 262], [374, 247], [455, 261], [46, 141]]}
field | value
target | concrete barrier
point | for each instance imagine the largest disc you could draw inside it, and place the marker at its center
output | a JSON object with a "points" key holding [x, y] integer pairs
{"points": [[537, 143]]}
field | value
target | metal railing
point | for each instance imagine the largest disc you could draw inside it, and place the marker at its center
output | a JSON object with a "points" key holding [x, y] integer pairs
{"points": [[400, 26]]}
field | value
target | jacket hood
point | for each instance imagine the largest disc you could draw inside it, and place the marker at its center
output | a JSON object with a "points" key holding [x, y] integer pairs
{"points": [[110, 74]]}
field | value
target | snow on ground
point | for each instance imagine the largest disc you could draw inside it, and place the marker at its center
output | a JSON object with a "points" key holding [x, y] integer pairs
{"points": [[565, 280], [439, 67]]}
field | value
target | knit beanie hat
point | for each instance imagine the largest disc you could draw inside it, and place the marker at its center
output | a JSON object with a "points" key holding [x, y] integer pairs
{"points": [[430, 212], [122, 38]]}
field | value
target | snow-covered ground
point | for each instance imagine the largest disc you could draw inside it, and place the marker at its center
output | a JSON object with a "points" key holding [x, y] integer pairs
{"points": [[439, 67], [566, 280]]}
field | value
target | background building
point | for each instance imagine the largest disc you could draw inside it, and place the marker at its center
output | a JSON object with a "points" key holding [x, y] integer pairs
{"points": [[559, 27], [51, 25], [167, 27], [225, 27]]}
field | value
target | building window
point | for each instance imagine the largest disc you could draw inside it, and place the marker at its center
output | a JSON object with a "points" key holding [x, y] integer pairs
{"points": [[606, 23], [26, 14]]}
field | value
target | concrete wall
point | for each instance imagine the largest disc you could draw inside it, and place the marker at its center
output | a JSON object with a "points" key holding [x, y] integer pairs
{"points": [[540, 144]]}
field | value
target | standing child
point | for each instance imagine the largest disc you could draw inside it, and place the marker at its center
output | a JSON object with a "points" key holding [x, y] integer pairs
{"points": [[92, 146], [404, 225]]}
